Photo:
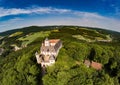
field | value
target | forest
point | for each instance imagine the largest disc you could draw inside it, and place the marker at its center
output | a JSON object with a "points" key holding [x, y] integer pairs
{"points": [[19, 66]]}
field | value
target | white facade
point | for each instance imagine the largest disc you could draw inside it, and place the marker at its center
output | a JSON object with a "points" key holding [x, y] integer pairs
{"points": [[46, 42], [38, 58], [49, 52]]}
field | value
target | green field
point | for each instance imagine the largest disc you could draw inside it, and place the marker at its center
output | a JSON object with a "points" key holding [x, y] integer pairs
{"points": [[31, 37], [78, 44], [15, 34]]}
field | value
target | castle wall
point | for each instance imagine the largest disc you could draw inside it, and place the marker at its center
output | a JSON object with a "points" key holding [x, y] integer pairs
{"points": [[49, 53], [49, 49], [38, 59]]}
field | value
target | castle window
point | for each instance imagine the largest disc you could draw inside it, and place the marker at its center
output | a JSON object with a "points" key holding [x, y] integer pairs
{"points": [[47, 50]]}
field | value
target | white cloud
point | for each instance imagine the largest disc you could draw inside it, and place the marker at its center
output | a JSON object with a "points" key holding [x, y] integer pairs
{"points": [[41, 10], [88, 14], [76, 18], [10, 24]]}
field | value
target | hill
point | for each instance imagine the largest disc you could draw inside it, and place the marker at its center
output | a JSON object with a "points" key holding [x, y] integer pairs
{"points": [[19, 67]]}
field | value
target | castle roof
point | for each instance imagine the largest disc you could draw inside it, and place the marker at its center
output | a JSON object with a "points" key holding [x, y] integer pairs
{"points": [[52, 57], [53, 47], [46, 58], [54, 40]]}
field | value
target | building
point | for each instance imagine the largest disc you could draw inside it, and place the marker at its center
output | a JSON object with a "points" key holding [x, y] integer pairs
{"points": [[48, 52], [87, 63], [95, 65]]}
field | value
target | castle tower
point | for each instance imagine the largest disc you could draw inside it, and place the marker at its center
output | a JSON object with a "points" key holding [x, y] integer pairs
{"points": [[47, 43], [38, 57]]}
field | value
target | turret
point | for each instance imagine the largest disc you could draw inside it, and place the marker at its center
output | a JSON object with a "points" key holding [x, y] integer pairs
{"points": [[38, 58], [47, 43]]}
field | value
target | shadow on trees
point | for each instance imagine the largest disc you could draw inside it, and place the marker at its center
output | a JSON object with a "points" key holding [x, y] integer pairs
{"points": [[92, 54]]}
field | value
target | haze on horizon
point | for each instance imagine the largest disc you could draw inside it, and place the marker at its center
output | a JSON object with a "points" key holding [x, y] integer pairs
{"points": [[98, 13]]}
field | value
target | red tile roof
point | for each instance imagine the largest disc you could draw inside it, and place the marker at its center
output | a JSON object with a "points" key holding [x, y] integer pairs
{"points": [[96, 65], [54, 40]]}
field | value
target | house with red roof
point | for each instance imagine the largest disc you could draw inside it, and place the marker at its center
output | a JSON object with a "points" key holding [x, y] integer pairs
{"points": [[95, 65]]}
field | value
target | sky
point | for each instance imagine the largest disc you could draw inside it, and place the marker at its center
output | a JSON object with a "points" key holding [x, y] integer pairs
{"points": [[92, 13]]}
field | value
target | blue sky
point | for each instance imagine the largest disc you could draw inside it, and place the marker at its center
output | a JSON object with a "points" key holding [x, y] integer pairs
{"points": [[93, 13]]}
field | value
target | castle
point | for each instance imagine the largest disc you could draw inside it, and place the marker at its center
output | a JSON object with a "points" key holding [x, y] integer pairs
{"points": [[48, 52]]}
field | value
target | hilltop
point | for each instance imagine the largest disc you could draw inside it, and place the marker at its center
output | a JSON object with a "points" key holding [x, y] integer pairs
{"points": [[19, 66]]}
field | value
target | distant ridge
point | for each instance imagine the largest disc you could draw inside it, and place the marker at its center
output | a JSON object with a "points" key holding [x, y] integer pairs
{"points": [[39, 28]]}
